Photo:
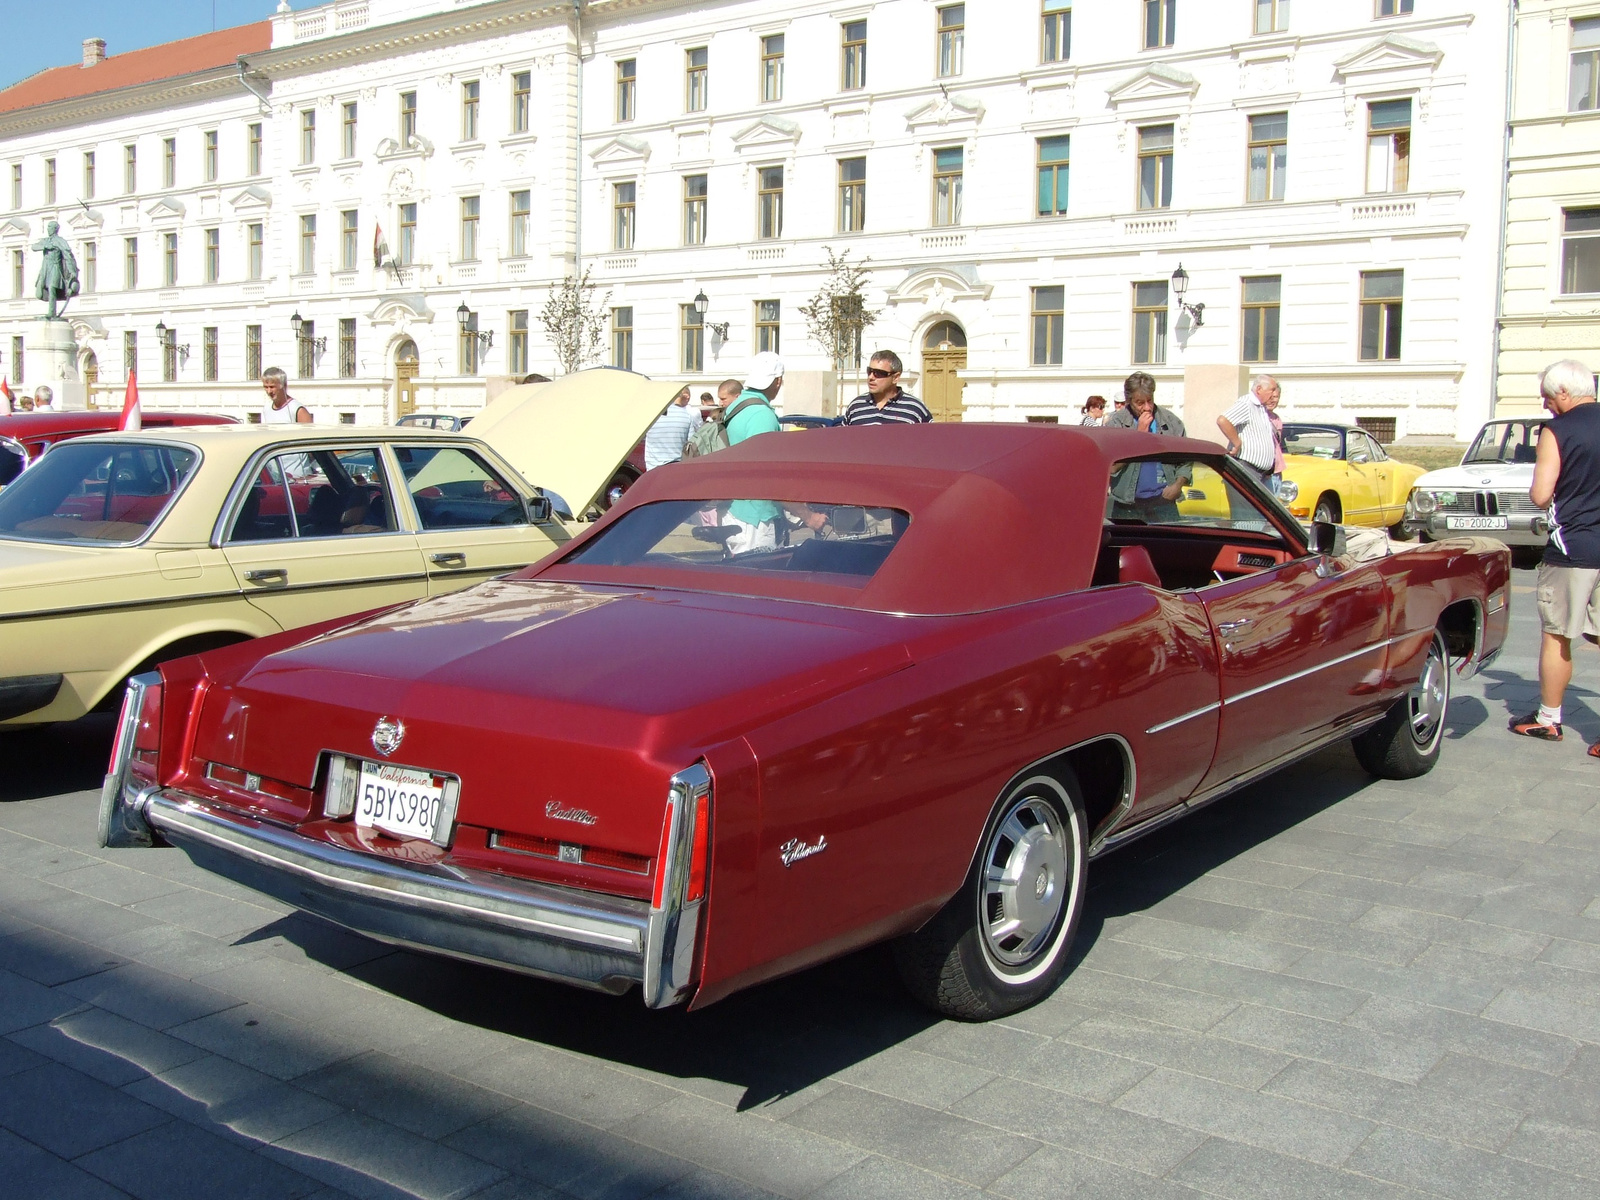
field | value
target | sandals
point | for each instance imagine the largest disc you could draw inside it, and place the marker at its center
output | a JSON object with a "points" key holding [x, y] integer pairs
{"points": [[1531, 726]]}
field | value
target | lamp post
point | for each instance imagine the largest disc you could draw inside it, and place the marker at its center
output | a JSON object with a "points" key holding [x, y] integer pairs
{"points": [[464, 319], [1180, 288], [701, 306], [163, 333], [317, 344]]}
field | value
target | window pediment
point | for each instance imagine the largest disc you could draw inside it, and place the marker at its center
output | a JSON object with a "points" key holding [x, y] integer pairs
{"points": [[250, 198], [1156, 83], [1394, 53], [621, 151], [13, 227], [401, 310], [937, 286], [165, 209], [944, 112], [86, 221], [768, 133]]}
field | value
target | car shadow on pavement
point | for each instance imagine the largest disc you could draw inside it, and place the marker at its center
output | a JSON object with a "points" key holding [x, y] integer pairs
{"points": [[70, 757]]}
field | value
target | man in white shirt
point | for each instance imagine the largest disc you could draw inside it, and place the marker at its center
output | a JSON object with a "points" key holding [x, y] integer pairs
{"points": [[671, 432], [43, 399], [1251, 429], [282, 408]]}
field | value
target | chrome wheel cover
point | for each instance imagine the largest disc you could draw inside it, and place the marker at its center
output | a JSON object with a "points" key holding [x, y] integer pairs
{"points": [[1028, 879], [1428, 699]]}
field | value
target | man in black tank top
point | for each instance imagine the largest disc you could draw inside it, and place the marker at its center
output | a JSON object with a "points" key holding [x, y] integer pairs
{"points": [[1566, 483]]}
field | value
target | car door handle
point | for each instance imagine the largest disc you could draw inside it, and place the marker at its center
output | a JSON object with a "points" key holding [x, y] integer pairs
{"points": [[450, 558], [268, 577], [1229, 628]]}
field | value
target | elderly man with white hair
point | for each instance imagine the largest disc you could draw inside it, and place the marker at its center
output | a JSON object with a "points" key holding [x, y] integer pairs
{"points": [[1566, 483], [1254, 431]]}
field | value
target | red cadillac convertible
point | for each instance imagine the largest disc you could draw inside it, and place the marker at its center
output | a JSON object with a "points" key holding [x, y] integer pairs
{"points": [[803, 695]]}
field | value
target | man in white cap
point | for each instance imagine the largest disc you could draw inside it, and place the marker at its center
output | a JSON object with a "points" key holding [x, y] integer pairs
{"points": [[751, 414]]}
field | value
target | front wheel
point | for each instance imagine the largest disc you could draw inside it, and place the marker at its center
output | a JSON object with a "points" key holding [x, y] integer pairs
{"points": [[1001, 942], [1405, 743], [1327, 512]]}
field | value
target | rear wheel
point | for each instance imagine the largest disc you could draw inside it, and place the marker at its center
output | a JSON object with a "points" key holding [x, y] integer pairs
{"points": [[1406, 743], [1001, 942]]}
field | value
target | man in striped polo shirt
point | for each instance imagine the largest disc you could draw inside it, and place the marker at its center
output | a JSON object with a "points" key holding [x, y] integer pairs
{"points": [[1252, 432], [885, 403]]}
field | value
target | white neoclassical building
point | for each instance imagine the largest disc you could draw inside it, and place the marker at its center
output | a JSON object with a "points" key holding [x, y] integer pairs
{"points": [[1022, 180]]}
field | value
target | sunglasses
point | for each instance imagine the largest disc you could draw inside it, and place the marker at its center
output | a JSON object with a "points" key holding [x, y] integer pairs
{"points": [[879, 373]]}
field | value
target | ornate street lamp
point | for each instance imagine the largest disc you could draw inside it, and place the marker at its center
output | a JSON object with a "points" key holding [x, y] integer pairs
{"points": [[1180, 288], [702, 306], [464, 318]]}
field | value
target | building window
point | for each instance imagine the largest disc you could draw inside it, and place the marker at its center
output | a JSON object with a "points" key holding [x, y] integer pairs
{"points": [[768, 318], [1261, 300], [130, 353], [622, 337], [1055, 39], [1272, 16], [692, 332], [208, 353], [308, 243], [130, 169], [210, 157], [1155, 166], [347, 130], [408, 235], [253, 143], [952, 39], [408, 117], [49, 181], [1049, 325], [770, 209], [694, 210], [622, 215], [19, 274], [169, 260], [1150, 323], [852, 195], [1160, 23], [169, 356], [948, 169], [91, 267], [1055, 154], [308, 135], [347, 347], [694, 81], [130, 263], [521, 211], [772, 68], [1583, 77], [16, 185], [469, 346], [256, 238], [306, 350], [1380, 314], [1394, 8], [1269, 156], [88, 174], [169, 162], [213, 255], [853, 63], [18, 373], [521, 101], [1389, 146], [349, 232], [469, 229], [627, 88], [470, 92], [252, 352], [1580, 251], [517, 354]]}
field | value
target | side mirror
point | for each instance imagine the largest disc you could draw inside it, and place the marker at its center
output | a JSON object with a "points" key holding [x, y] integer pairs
{"points": [[1327, 539], [539, 509]]}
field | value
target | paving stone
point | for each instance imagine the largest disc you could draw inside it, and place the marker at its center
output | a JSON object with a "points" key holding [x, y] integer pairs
{"points": [[267, 1041], [175, 1162], [1052, 1173], [1532, 1011], [31, 1172], [1329, 1041], [1460, 1172], [1130, 956], [207, 912], [1563, 1148], [387, 1088], [106, 1047], [24, 1002], [148, 996], [1575, 956], [1179, 1049], [878, 1178], [1264, 897], [230, 1100], [1341, 939], [1154, 1001], [1200, 942], [1454, 931], [567, 1084], [1242, 1172], [69, 1113], [112, 882], [915, 1077], [1466, 1033], [1413, 982], [1268, 988], [50, 958], [370, 1158]]}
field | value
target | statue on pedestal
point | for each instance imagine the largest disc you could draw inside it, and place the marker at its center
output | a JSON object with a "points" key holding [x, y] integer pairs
{"points": [[58, 274]]}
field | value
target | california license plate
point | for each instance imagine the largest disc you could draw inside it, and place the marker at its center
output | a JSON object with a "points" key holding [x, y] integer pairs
{"points": [[1475, 523], [399, 800]]}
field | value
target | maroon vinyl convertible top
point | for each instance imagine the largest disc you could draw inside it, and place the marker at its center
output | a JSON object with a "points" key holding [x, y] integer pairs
{"points": [[1000, 514]]}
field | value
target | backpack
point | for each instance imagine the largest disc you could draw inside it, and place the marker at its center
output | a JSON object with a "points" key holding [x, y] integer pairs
{"points": [[713, 432]]}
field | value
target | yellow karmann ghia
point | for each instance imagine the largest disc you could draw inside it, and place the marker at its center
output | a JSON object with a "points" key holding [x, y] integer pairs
{"points": [[1340, 474], [121, 550]]}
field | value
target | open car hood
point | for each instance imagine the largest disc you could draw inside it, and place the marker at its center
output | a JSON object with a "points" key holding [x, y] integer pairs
{"points": [[1480, 475], [570, 436]]}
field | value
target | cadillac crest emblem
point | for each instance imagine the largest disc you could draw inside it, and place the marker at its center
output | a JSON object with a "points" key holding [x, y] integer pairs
{"points": [[387, 735]]}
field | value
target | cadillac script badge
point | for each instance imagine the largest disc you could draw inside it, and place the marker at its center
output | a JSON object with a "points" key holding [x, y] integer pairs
{"points": [[387, 735], [794, 849], [557, 811]]}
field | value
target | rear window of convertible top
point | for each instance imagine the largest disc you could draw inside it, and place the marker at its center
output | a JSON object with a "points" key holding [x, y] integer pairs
{"points": [[840, 544]]}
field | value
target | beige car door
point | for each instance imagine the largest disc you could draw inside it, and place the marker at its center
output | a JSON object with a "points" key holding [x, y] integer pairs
{"points": [[471, 519], [317, 536]]}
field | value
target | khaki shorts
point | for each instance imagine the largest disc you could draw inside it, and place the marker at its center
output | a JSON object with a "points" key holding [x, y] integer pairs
{"points": [[1568, 605]]}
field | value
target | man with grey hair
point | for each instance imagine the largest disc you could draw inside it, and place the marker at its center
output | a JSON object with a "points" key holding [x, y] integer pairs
{"points": [[282, 408], [1566, 483], [1252, 429]]}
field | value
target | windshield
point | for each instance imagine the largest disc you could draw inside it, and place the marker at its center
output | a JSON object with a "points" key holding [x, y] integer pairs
{"points": [[1506, 442], [102, 492], [1308, 439], [841, 544]]}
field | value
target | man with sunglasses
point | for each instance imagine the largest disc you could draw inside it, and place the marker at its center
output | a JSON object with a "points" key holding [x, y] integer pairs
{"points": [[885, 403]]}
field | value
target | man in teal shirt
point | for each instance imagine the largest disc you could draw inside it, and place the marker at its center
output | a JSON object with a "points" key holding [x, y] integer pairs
{"points": [[752, 414]]}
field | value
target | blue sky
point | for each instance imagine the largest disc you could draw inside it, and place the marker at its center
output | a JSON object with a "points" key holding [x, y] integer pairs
{"points": [[39, 35]]}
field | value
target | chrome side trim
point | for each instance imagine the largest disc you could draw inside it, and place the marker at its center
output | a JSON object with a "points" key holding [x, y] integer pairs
{"points": [[122, 821], [1322, 666], [1188, 716], [674, 926]]}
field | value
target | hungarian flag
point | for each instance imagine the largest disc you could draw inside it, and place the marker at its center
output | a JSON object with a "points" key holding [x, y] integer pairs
{"points": [[131, 421], [380, 248], [7, 400]]}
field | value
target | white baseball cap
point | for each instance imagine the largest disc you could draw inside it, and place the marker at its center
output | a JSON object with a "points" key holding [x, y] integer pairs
{"points": [[765, 368]]}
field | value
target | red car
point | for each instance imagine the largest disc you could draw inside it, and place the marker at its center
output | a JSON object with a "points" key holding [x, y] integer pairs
{"points": [[25, 436], [804, 695]]}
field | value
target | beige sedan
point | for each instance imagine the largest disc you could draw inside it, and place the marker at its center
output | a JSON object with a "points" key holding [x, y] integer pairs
{"points": [[119, 551]]}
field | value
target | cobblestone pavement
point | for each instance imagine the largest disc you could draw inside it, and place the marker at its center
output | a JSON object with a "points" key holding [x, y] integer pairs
{"points": [[1323, 987]]}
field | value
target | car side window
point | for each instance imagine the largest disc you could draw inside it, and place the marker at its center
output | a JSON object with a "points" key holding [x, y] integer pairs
{"points": [[323, 493], [454, 488]]}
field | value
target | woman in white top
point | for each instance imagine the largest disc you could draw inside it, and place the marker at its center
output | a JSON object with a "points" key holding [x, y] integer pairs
{"points": [[282, 408], [1094, 411]]}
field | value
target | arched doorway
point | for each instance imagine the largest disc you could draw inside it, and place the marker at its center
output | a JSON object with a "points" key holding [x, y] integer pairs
{"points": [[89, 370], [406, 363], [944, 356]]}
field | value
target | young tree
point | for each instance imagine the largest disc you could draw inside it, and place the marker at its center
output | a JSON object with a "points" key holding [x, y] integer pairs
{"points": [[837, 316], [575, 322]]}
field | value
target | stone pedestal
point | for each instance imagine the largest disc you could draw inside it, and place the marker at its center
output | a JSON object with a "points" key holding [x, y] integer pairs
{"points": [[1209, 390], [53, 359]]}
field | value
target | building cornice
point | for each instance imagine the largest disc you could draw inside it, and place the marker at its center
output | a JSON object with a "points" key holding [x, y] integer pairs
{"points": [[212, 83]]}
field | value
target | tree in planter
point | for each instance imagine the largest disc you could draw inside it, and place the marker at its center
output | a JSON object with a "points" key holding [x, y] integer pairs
{"points": [[575, 322], [837, 316]]}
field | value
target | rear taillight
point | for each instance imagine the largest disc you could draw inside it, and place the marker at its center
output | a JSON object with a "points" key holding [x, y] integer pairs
{"points": [[699, 850], [138, 739], [147, 730], [683, 863]]}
